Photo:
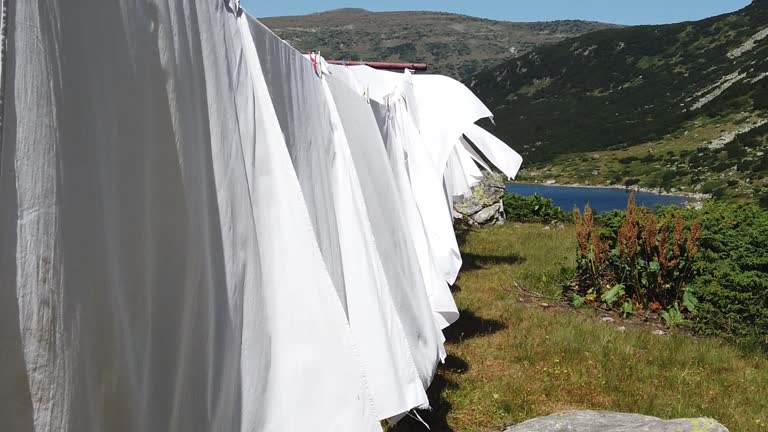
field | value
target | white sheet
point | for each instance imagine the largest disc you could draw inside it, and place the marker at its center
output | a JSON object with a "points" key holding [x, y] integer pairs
{"points": [[422, 196], [440, 108], [446, 108], [286, 237], [461, 173], [393, 237], [477, 157], [442, 111], [151, 232], [399, 351], [497, 152]]}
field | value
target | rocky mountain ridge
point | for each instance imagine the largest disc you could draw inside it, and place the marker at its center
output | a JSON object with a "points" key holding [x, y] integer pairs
{"points": [[454, 45]]}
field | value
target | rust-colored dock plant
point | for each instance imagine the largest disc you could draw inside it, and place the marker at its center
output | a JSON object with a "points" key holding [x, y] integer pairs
{"points": [[649, 262]]}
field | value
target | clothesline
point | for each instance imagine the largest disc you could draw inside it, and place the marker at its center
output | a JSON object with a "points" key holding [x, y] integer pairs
{"points": [[382, 65]]}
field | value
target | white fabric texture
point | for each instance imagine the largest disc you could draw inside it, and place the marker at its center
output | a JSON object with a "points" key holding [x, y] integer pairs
{"points": [[393, 236], [497, 152], [461, 173], [455, 180], [446, 109], [150, 223], [420, 188], [477, 157], [472, 171], [442, 110], [428, 186], [375, 84], [396, 336], [422, 197], [286, 237]]}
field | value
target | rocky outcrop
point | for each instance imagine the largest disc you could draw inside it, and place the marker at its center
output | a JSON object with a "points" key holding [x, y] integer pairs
{"points": [[594, 421], [484, 206]]}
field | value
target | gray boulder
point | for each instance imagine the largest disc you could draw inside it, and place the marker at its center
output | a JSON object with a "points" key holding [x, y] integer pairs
{"points": [[489, 215], [595, 421], [483, 206]]}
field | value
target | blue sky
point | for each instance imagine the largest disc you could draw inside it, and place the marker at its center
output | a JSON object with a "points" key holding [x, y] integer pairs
{"points": [[614, 11]]}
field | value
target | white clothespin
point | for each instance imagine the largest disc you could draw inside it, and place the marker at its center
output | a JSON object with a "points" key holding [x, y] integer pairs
{"points": [[324, 69]]}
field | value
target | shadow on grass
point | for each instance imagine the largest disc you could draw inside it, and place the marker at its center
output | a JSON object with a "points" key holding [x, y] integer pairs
{"points": [[437, 417], [467, 327], [478, 262], [462, 232], [470, 326]]}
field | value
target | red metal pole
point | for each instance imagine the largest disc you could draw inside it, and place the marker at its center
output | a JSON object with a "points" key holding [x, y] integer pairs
{"points": [[382, 65]]}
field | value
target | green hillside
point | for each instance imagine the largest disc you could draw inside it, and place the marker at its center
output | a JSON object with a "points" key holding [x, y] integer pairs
{"points": [[662, 106], [454, 45]]}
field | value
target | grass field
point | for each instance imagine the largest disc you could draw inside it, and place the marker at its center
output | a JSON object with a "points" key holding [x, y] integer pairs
{"points": [[517, 353]]}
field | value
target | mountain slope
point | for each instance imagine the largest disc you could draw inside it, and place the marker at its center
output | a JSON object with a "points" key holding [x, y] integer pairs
{"points": [[621, 87], [454, 45], [680, 107]]}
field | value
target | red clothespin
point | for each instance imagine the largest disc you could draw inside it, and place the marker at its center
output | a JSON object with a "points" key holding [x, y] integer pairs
{"points": [[314, 57]]}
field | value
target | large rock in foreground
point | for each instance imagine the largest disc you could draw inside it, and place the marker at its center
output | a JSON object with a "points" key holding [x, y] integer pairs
{"points": [[594, 421], [483, 207]]}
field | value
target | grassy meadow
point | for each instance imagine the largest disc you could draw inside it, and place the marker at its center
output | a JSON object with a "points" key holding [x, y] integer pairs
{"points": [[518, 352]]}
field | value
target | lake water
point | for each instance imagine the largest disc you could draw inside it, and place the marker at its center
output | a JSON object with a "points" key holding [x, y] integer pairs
{"points": [[600, 199]]}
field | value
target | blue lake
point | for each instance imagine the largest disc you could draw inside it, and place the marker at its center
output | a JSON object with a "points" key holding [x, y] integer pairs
{"points": [[600, 199]]}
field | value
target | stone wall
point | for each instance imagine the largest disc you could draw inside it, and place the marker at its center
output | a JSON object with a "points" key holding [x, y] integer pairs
{"points": [[484, 206]]}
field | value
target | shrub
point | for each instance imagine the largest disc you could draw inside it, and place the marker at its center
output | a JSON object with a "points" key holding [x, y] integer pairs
{"points": [[644, 262], [760, 96], [532, 209], [735, 150], [726, 284], [628, 160], [732, 272], [631, 182], [762, 197], [711, 186]]}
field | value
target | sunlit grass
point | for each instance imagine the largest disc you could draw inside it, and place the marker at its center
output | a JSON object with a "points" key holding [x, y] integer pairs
{"points": [[511, 358]]}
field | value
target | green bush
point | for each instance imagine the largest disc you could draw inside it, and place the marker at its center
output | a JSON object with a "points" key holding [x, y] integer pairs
{"points": [[760, 95], [712, 185], [631, 182], [532, 209], [732, 272], [728, 283]]}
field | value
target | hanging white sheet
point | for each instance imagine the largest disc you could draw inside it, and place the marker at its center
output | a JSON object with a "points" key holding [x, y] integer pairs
{"points": [[398, 340], [159, 272], [415, 182], [286, 237], [461, 173], [497, 152], [477, 157], [393, 236], [443, 110], [446, 108]]}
